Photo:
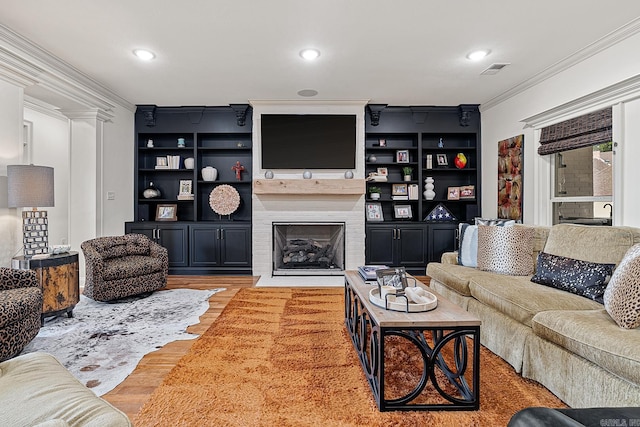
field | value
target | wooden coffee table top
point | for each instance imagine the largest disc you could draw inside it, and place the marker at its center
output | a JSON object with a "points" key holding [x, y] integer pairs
{"points": [[446, 314]]}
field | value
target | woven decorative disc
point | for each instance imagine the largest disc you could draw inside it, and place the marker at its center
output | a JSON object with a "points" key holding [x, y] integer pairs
{"points": [[224, 199]]}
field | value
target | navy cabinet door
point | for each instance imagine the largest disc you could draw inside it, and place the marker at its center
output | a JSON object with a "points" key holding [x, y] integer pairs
{"points": [[235, 245], [380, 245], [205, 246]]}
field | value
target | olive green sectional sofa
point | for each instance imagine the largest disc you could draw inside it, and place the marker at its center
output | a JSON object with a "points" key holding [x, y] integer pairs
{"points": [[567, 342]]}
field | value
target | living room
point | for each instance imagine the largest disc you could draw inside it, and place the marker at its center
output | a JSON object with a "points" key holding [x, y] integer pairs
{"points": [[78, 115]]}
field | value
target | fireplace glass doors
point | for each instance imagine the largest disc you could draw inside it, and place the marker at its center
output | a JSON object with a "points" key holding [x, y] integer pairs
{"points": [[308, 248]]}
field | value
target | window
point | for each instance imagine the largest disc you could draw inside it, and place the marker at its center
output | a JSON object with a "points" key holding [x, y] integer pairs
{"points": [[583, 185], [582, 168]]}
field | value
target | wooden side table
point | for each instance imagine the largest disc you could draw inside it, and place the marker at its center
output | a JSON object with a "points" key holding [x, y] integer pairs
{"points": [[58, 276]]}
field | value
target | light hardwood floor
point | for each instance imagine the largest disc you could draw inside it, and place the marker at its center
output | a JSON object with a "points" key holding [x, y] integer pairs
{"points": [[131, 394]]}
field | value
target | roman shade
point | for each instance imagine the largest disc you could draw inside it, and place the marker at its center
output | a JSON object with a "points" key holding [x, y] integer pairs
{"points": [[584, 131]]}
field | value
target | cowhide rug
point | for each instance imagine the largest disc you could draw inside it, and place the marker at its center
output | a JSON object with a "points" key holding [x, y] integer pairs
{"points": [[103, 342]]}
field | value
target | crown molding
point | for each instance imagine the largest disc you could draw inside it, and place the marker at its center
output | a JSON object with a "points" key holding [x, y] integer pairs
{"points": [[598, 46], [89, 114], [43, 108], [319, 102], [17, 71], [623, 91], [37, 66]]}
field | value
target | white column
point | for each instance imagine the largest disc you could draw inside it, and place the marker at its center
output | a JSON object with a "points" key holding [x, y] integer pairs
{"points": [[86, 130], [11, 122]]}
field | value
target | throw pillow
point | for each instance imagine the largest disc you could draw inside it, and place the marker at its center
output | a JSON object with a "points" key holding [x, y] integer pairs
{"points": [[622, 296], [587, 279], [494, 221], [506, 250], [468, 250]]}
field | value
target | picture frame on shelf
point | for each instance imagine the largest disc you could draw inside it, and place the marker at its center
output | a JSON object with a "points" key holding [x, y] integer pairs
{"points": [[383, 171], [402, 212], [453, 193], [399, 190], [382, 142], [186, 187], [402, 156], [467, 192], [442, 160], [167, 212], [374, 212]]}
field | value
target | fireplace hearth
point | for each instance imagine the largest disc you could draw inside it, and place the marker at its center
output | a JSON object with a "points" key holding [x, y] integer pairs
{"points": [[308, 248]]}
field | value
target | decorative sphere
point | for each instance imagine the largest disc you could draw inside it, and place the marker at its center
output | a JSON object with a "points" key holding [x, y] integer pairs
{"points": [[268, 174], [348, 174], [307, 175]]}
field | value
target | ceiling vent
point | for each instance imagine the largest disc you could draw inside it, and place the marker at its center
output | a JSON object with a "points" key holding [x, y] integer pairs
{"points": [[494, 68]]}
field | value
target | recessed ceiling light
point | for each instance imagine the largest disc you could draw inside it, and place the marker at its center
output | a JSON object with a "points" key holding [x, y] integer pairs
{"points": [[307, 92], [145, 55], [309, 54], [477, 55]]}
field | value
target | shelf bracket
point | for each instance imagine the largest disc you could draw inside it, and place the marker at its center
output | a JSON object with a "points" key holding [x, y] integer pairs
{"points": [[241, 113], [464, 114], [148, 114], [374, 113]]}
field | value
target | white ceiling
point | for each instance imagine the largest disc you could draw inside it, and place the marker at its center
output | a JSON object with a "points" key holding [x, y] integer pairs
{"points": [[401, 52]]}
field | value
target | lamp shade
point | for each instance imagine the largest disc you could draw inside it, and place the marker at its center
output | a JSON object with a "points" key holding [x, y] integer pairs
{"points": [[30, 186]]}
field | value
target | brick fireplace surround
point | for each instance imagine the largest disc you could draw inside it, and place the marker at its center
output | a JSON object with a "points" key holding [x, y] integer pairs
{"points": [[327, 196]]}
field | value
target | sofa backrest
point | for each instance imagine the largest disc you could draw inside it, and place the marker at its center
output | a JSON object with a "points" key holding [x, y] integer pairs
{"points": [[600, 244], [117, 246]]}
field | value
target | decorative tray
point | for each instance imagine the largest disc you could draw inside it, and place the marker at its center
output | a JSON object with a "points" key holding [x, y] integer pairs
{"points": [[401, 303]]}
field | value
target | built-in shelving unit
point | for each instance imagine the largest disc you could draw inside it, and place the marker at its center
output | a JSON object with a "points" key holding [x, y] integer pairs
{"points": [[420, 132], [200, 241]]}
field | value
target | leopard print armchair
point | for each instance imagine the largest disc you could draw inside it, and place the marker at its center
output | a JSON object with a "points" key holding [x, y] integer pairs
{"points": [[20, 310], [122, 266]]}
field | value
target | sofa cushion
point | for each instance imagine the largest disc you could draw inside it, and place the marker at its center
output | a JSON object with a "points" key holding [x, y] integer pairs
{"points": [[454, 276], [500, 222], [601, 244], [521, 299], [468, 250], [593, 335], [130, 266], [622, 296], [505, 250], [35, 388], [587, 279]]}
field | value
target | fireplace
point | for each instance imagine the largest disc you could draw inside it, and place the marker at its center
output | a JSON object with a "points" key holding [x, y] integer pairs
{"points": [[308, 248]]}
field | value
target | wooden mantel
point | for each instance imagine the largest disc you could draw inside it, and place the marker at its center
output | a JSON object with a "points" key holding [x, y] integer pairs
{"points": [[309, 186]]}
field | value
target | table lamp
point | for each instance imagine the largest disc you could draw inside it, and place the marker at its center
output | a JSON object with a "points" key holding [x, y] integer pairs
{"points": [[32, 186]]}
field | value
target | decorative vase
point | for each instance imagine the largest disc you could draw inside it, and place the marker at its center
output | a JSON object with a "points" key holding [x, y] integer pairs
{"points": [[375, 196], [407, 177], [429, 194], [209, 173], [189, 163], [373, 158], [151, 192], [460, 161]]}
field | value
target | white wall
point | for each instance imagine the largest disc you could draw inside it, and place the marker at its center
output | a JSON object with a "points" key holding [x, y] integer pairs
{"points": [[50, 147], [504, 120], [11, 121]]}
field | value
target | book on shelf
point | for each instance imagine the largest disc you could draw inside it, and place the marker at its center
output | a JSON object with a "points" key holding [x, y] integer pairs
{"points": [[399, 197], [162, 166], [368, 272], [185, 197]]}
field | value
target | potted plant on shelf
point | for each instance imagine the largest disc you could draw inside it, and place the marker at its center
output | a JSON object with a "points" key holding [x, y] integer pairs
{"points": [[406, 171], [374, 193]]}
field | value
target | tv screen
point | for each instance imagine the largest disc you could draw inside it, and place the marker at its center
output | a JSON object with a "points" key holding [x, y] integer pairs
{"points": [[308, 141]]}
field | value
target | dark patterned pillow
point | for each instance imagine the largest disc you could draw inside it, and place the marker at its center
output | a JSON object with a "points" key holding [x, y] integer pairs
{"points": [[587, 279], [500, 222]]}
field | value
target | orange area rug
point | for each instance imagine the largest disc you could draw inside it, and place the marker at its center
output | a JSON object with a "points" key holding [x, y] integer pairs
{"points": [[282, 357]]}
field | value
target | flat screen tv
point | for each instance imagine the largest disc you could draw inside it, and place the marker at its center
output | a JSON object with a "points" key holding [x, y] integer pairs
{"points": [[308, 141]]}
